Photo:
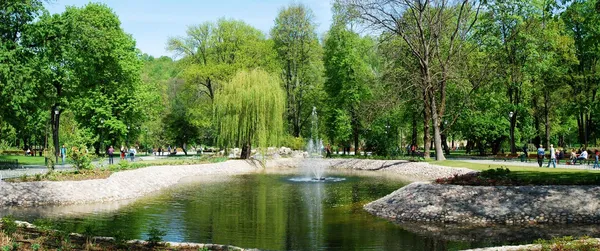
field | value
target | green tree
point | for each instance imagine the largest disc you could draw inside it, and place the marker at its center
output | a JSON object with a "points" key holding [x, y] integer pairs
{"points": [[249, 111], [89, 65], [19, 107], [300, 56], [434, 32], [583, 23], [347, 73]]}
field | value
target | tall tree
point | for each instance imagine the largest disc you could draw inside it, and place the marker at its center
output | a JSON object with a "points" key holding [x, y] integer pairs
{"points": [[249, 111], [583, 22], [300, 56], [347, 73], [18, 105], [88, 64], [434, 31], [214, 51]]}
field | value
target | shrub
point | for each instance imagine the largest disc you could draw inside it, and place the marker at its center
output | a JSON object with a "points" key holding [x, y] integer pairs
{"points": [[491, 177], [81, 158], [9, 226], [155, 235], [294, 143]]}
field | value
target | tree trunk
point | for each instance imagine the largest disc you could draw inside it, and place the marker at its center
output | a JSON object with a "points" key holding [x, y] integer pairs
{"points": [[426, 122], [469, 147], [414, 130], [437, 138], [246, 150], [445, 144], [547, 116]]}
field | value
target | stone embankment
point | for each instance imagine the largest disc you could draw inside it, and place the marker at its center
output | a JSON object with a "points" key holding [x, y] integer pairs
{"points": [[479, 205], [413, 171], [119, 186]]}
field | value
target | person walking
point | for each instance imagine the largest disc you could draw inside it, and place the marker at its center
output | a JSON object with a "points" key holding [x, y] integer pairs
{"points": [[111, 152], [328, 151], [122, 152], [63, 153], [169, 149], [596, 164], [540, 155], [132, 153], [552, 156]]}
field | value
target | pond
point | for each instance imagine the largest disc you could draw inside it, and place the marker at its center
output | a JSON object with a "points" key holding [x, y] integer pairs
{"points": [[264, 211]]}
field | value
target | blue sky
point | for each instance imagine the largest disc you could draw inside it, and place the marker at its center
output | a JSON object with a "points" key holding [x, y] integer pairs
{"points": [[152, 22]]}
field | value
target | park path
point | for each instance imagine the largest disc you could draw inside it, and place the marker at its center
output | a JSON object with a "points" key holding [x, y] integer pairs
{"points": [[39, 169], [531, 163]]}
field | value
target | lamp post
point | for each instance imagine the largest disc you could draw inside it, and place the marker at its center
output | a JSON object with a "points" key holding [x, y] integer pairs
{"points": [[513, 150], [569, 138], [102, 137], [56, 112]]}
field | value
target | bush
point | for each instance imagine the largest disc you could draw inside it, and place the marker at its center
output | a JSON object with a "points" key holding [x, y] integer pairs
{"points": [[155, 235], [9, 226], [294, 143], [81, 158], [491, 177], [500, 172]]}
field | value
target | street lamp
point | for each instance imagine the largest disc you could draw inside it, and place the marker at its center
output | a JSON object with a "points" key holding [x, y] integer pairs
{"points": [[513, 150], [569, 137], [102, 137], [56, 144]]}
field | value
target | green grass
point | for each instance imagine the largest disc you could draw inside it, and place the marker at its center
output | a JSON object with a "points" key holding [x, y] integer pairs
{"points": [[535, 175], [25, 160]]}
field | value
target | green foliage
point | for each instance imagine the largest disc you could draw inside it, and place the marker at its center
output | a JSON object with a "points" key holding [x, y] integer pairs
{"points": [[81, 158], [300, 56], [249, 110], [295, 143], [348, 73], [9, 226], [500, 172], [155, 235], [568, 243]]}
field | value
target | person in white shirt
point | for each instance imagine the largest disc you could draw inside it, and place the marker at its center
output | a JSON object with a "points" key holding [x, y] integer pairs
{"points": [[552, 156], [132, 152], [582, 156]]}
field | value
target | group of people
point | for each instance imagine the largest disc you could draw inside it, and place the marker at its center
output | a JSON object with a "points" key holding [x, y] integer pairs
{"points": [[557, 155], [169, 150]]}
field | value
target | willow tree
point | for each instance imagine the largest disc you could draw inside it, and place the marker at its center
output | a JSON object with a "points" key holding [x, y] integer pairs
{"points": [[249, 111]]}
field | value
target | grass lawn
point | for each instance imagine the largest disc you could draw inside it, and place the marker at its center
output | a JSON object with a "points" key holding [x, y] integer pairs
{"points": [[535, 175], [25, 160]]}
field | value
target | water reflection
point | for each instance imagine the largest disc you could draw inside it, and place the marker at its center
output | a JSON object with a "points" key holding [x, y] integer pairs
{"points": [[266, 212]]}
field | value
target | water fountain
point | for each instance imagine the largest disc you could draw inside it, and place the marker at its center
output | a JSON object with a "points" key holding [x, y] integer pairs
{"points": [[313, 165]]}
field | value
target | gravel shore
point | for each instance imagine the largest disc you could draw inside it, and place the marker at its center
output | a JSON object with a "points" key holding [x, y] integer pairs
{"points": [[119, 186], [484, 205]]}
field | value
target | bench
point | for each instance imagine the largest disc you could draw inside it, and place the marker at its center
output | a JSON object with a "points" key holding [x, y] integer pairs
{"points": [[9, 164], [506, 157]]}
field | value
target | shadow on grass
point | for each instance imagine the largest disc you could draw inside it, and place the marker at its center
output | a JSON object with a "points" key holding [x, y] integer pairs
{"points": [[557, 178]]}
